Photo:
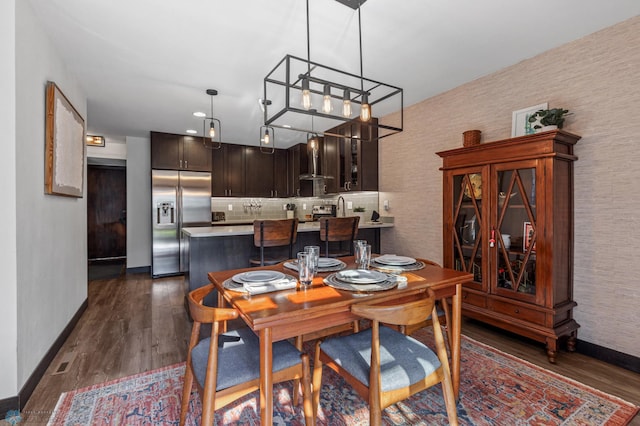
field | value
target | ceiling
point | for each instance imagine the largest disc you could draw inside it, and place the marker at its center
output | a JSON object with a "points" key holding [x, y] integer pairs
{"points": [[146, 64]]}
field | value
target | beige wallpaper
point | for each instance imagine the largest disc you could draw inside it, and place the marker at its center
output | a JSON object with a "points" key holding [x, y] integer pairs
{"points": [[598, 79]]}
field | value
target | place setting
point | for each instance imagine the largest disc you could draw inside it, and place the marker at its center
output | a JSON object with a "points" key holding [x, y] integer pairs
{"points": [[324, 264], [260, 281], [395, 264], [362, 279]]}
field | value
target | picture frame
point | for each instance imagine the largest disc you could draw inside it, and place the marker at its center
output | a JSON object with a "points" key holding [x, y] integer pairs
{"points": [[520, 125], [65, 145], [527, 236]]}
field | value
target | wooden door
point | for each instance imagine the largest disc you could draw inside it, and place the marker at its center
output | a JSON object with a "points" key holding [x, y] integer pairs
{"points": [[106, 212], [196, 157]]}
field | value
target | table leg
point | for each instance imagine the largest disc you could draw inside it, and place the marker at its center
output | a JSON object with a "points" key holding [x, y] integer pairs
{"points": [[455, 345], [266, 377]]}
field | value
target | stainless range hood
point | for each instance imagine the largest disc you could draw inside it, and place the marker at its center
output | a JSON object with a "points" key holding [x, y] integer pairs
{"points": [[313, 156]]}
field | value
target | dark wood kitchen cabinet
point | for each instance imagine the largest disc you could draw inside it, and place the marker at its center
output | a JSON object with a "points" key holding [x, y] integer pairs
{"points": [[298, 165], [228, 171], [178, 152], [352, 161], [508, 219], [266, 174]]}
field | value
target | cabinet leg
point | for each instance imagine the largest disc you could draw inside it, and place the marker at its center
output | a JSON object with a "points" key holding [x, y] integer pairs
{"points": [[571, 342], [552, 350]]}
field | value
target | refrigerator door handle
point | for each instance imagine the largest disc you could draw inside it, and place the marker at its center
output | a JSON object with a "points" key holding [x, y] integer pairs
{"points": [[179, 202]]}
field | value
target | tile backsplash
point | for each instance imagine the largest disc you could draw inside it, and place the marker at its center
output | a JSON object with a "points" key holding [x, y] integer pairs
{"points": [[241, 209]]}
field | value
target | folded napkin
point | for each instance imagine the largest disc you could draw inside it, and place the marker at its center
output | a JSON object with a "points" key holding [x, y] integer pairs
{"points": [[267, 287]]}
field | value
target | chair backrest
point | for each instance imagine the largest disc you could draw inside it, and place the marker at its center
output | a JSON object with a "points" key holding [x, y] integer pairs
{"points": [[274, 233], [403, 314], [339, 228]]}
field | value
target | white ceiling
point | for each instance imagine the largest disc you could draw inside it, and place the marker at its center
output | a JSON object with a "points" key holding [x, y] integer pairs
{"points": [[145, 64]]}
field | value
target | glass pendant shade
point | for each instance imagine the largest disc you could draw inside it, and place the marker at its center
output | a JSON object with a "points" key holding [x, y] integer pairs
{"points": [[365, 108], [346, 104], [326, 99]]}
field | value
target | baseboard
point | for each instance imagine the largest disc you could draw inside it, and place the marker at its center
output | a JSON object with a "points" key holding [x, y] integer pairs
{"points": [[34, 379], [620, 359], [139, 270]]}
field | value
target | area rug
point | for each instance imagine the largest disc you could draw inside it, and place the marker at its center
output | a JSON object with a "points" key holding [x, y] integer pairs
{"points": [[495, 389]]}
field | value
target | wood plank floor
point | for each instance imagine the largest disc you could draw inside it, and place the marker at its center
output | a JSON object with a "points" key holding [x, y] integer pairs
{"points": [[135, 324]]}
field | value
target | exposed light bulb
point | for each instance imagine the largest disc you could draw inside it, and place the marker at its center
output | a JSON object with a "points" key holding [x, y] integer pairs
{"points": [[346, 104], [306, 94], [326, 100], [212, 131], [267, 138], [365, 108]]}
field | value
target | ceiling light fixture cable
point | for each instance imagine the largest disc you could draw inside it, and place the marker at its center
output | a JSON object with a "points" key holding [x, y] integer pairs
{"points": [[214, 141], [365, 108]]}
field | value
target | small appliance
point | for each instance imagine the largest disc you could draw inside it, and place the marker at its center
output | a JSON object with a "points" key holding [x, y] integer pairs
{"points": [[323, 210]]}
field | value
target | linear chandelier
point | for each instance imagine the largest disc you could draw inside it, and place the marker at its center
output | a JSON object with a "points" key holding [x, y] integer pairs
{"points": [[297, 88]]}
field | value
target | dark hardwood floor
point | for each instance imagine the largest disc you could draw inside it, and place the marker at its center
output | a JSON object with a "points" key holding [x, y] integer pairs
{"points": [[135, 324]]}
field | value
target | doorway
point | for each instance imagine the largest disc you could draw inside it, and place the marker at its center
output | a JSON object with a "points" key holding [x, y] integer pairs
{"points": [[106, 220]]}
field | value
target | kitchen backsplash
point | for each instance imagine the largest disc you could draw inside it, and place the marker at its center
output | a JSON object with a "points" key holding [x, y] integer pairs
{"points": [[274, 208]]}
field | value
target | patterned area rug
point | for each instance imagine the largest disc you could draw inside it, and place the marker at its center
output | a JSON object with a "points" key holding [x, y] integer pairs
{"points": [[496, 389]]}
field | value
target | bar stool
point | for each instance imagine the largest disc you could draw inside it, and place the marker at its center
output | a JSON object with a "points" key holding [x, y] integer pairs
{"points": [[273, 233], [339, 229]]}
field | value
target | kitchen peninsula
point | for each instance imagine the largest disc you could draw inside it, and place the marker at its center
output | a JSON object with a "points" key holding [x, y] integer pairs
{"points": [[218, 248]]}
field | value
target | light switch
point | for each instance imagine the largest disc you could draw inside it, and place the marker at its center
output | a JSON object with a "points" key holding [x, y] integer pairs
{"points": [[349, 204], [230, 207], [386, 204], [304, 206]]}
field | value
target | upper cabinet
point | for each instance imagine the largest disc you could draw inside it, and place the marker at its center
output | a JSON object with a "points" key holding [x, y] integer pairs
{"points": [[508, 219], [298, 160], [352, 161], [228, 171], [265, 174], [177, 152]]}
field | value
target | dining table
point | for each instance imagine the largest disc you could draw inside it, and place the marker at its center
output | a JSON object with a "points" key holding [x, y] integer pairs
{"points": [[293, 312]]}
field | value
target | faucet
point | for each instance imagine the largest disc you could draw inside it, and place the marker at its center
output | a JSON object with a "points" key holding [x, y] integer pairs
{"points": [[344, 212]]}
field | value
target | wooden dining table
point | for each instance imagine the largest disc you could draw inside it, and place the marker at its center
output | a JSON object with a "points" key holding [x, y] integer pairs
{"points": [[294, 312]]}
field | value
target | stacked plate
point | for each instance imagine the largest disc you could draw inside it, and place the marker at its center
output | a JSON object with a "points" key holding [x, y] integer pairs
{"points": [[325, 264], [256, 282], [361, 280], [396, 264]]}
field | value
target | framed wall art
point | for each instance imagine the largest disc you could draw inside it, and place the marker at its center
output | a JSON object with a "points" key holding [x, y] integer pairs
{"points": [[520, 125], [65, 145]]}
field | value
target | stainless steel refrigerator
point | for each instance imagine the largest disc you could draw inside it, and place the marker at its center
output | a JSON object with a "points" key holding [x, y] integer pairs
{"points": [[179, 200]]}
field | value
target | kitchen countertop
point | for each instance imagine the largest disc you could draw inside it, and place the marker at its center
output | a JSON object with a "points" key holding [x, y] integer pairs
{"points": [[229, 230]]}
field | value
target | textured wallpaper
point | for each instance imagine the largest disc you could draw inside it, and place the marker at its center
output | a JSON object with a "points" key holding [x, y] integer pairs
{"points": [[598, 79]]}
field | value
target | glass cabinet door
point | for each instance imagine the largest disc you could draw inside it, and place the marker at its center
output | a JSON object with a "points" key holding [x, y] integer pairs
{"points": [[513, 231], [468, 236]]}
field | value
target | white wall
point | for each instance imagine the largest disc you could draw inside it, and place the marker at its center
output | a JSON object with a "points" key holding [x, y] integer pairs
{"points": [[52, 237], [138, 202], [114, 147], [595, 77], [8, 284]]}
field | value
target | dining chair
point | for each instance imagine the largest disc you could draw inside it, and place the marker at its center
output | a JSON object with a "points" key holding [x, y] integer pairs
{"points": [[339, 229], [383, 365], [271, 234], [226, 366]]}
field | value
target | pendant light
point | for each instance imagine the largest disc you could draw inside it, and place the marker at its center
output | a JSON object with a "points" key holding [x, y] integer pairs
{"points": [[267, 140], [365, 108], [346, 104], [326, 99], [213, 141]]}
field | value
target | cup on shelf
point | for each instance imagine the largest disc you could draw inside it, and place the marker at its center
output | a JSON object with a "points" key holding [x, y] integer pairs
{"points": [[364, 256], [357, 244], [306, 269], [506, 239], [315, 252]]}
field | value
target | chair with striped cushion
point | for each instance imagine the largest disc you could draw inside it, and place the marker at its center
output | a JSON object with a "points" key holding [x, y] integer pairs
{"points": [[226, 366], [385, 366]]}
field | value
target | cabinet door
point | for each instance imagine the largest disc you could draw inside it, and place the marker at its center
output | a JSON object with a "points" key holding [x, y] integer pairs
{"points": [[218, 172], [235, 170], [299, 165], [465, 232], [280, 173], [195, 156], [259, 172], [331, 163], [515, 226], [165, 151]]}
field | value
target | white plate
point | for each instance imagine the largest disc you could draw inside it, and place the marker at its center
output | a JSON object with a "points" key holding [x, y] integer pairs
{"points": [[327, 262], [258, 276], [361, 276], [392, 259]]}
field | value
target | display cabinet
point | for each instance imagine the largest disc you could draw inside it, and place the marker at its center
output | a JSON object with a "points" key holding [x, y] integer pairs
{"points": [[508, 219]]}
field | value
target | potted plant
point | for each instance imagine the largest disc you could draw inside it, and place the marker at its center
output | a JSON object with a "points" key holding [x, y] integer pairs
{"points": [[359, 212], [548, 119]]}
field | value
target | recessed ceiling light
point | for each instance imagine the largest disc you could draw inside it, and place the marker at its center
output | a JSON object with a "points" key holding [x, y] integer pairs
{"points": [[199, 114], [192, 132], [286, 126]]}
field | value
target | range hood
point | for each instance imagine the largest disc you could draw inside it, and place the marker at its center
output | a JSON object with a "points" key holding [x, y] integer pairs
{"points": [[313, 156]]}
